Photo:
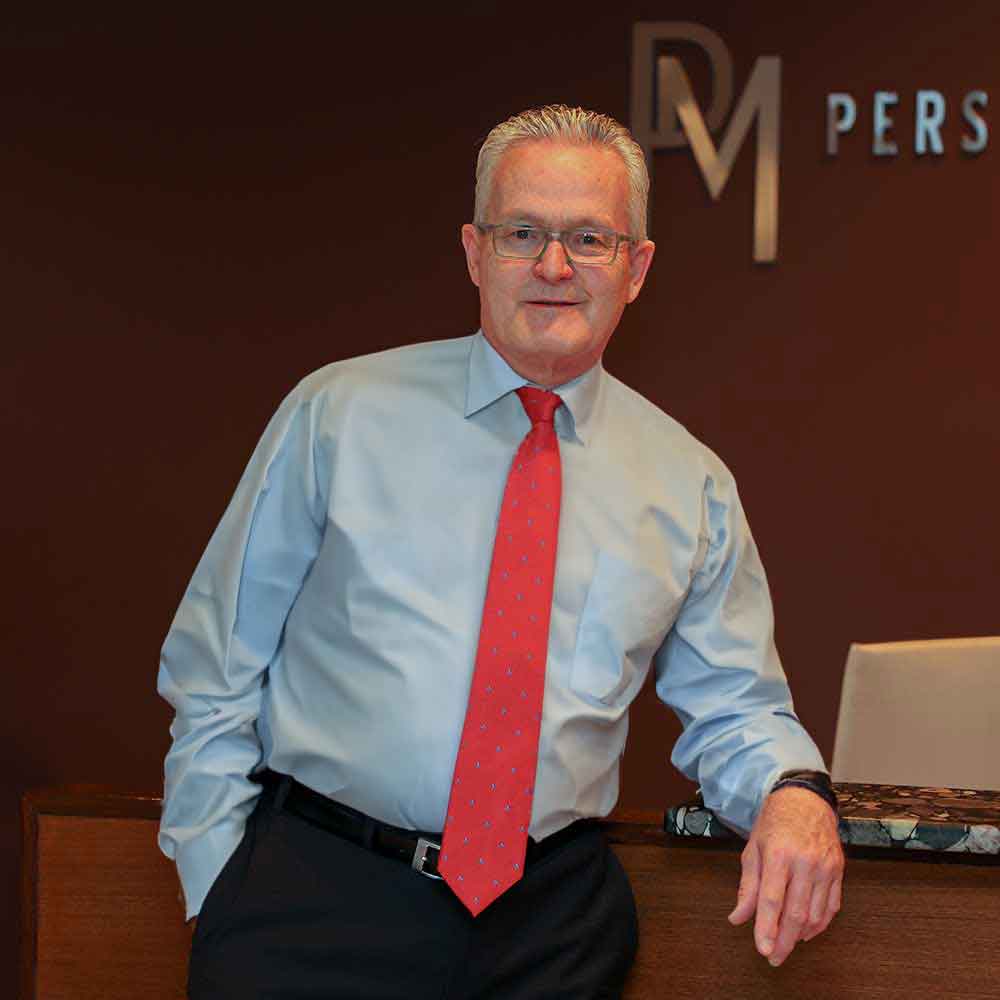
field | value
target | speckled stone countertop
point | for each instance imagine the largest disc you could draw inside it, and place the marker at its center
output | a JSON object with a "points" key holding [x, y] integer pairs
{"points": [[891, 816]]}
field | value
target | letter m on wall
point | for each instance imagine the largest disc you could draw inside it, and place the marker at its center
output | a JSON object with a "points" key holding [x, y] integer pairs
{"points": [[662, 96]]}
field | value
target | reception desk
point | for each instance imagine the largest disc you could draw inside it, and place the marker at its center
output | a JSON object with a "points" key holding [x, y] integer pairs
{"points": [[921, 916]]}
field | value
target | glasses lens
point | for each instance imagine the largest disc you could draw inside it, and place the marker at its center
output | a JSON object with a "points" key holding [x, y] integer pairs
{"points": [[518, 241], [594, 246]]}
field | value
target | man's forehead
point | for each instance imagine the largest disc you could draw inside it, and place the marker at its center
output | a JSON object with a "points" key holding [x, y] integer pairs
{"points": [[586, 184], [558, 155]]}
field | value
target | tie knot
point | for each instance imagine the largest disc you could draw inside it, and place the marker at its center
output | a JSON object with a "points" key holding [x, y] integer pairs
{"points": [[539, 404]]}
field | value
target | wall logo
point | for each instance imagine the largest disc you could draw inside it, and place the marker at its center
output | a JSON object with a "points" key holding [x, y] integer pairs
{"points": [[665, 115], [662, 97]]}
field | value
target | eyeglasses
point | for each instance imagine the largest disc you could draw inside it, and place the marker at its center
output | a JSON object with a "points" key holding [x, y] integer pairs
{"points": [[589, 245]]}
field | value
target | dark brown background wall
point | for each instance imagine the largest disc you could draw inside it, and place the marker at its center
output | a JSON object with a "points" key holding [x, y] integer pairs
{"points": [[197, 212]]}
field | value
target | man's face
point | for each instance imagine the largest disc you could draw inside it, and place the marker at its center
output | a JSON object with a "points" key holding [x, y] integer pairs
{"points": [[550, 319]]}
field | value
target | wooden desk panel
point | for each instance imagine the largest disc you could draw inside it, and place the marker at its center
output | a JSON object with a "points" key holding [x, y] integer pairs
{"points": [[109, 923], [102, 920], [100, 917], [908, 929]]}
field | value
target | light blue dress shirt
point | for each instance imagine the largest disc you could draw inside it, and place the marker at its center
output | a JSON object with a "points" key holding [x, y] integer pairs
{"points": [[330, 629]]}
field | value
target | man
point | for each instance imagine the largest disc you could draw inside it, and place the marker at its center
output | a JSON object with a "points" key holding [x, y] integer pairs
{"points": [[442, 580]]}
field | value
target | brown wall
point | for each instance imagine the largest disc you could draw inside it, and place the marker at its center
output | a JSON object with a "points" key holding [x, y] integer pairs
{"points": [[196, 214]]}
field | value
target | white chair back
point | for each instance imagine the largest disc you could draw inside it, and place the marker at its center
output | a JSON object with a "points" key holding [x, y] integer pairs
{"points": [[921, 713]]}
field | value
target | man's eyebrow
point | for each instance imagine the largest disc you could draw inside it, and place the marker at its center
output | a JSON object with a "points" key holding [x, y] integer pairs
{"points": [[582, 222]]}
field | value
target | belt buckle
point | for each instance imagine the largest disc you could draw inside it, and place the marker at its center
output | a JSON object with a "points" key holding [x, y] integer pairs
{"points": [[420, 856]]}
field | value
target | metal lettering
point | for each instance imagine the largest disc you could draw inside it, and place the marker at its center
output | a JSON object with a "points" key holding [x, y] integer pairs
{"points": [[841, 114], [930, 118], [880, 145], [972, 100], [654, 122], [665, 115], [651, 127]]}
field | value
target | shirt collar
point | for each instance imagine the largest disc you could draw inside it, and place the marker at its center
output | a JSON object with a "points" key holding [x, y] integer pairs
{"points": [[490, 377]]}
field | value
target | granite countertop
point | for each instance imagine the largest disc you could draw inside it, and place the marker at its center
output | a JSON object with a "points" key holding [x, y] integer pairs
{"points": [[891, 816]]}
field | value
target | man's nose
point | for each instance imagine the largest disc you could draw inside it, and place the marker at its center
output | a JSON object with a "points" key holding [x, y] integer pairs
{"points": [[553, 263]]}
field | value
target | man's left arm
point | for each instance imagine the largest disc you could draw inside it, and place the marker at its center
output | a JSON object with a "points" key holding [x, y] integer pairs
{"points": [[719, 671]]}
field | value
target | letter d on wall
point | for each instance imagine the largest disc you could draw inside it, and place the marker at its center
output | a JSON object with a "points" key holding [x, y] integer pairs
{"points": [[662, 95]]}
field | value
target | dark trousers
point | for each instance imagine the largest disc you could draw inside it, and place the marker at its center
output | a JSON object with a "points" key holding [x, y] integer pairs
{"points": [[299, 913]]}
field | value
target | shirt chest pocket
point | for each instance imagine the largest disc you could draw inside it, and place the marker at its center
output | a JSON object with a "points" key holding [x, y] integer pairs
{"points": [[626, 616]]}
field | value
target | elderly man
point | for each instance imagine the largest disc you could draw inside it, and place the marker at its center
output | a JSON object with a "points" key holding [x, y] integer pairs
{"points": [[403, 667]]}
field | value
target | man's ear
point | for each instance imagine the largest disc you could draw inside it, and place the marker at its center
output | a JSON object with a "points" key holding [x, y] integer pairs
{"points": [[639, 260], [473, 250]]}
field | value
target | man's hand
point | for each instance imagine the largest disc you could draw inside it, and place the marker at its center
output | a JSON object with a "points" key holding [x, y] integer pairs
{"points": [[793, 869]]}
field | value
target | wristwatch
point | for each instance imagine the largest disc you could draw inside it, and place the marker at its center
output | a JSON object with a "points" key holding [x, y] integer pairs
{"points": [[816, 781]]}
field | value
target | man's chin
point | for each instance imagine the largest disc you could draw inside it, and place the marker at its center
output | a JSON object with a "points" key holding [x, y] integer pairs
{"points": [[556, 325], [557, 343]]}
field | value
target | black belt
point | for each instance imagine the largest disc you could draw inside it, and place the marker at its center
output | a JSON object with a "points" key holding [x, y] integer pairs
{"points": [[417, 849]]}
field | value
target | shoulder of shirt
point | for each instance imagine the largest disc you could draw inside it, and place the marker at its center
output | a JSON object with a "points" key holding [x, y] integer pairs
{"points": [[417, 365], [658, 433]]}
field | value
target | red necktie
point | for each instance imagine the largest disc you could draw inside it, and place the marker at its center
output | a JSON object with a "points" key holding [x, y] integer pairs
{"points": [[486, 831]]}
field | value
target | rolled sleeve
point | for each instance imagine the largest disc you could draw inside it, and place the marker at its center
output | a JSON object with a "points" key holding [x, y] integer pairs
{"points": [[719, 670]]}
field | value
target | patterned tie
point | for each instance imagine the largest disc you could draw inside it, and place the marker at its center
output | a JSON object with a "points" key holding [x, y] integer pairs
{"points": [[486, 832]]}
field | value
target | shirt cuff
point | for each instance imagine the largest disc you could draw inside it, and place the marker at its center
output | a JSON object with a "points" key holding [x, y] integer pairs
{"points": [[199, 861]]}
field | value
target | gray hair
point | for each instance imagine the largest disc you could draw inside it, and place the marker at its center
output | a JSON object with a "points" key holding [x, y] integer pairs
{"points": [[560, 123]]}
